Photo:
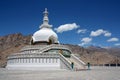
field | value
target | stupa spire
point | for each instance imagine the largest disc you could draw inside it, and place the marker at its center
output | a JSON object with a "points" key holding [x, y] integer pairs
{"points": [[45, 19]]}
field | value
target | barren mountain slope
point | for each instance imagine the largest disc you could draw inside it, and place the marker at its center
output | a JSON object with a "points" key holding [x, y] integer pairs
{"points": [[12, 43]]}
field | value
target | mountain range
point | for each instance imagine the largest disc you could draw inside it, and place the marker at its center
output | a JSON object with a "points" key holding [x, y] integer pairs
{"points": [[12, 43]]}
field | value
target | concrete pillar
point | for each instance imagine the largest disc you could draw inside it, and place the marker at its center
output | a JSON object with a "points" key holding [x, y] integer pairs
{"points": [[39, 60], [21, 60], [44, 60], [30, 60]]}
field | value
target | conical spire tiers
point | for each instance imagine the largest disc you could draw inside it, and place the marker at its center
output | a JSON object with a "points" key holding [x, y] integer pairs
{"points": [[45, 20]]}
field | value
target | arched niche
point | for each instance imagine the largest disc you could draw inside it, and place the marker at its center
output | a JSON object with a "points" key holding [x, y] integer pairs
{"points": [[31, 42], [51, 40]]}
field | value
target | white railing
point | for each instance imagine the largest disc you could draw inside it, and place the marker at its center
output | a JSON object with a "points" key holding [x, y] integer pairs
{"points": [[54, 46], [77, 60], [30, 51], [66, 62], [33, 47], [48, 54], [42, 48]]}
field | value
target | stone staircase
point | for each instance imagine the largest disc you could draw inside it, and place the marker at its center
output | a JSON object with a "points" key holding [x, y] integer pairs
{"points": [[78, 64]]}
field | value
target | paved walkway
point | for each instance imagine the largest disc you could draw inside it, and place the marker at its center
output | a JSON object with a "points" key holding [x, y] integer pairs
{"points": [[96, 73]]}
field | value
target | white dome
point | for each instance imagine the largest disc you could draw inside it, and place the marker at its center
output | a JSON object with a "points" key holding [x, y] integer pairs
{"points": [[44, 35]]}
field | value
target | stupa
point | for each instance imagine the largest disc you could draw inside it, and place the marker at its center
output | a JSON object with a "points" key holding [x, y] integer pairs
{"points": [[45, 34], [44, 52]]}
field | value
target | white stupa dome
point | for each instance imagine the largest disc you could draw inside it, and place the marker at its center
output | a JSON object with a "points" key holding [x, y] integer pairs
{"points": [[45, 34]]}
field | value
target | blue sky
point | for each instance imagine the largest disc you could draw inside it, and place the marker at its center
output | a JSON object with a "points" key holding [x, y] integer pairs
{"points": [[93, 22]]}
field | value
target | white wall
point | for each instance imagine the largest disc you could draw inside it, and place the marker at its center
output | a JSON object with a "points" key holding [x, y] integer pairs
{"points": [[32, 63]]}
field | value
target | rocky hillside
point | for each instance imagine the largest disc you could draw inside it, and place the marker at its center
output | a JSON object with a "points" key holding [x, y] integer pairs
{"points": [[96, 55], [12, 43]]}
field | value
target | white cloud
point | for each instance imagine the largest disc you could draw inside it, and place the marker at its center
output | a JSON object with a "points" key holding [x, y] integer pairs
{"points": [[100, 32], [112, 40], [81, 31], [107, 34], [97, 32], [82, 44], [85, 41], [66, 27], [117, 44]]}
